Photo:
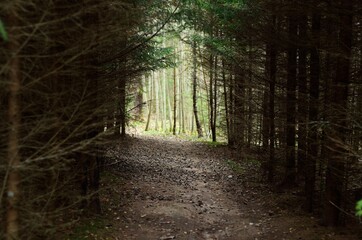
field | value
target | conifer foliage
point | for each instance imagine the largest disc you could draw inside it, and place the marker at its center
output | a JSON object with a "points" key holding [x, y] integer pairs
{"points": [[281, 78], [64, 70]]}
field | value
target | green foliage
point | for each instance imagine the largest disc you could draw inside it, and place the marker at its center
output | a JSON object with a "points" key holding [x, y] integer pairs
{"points": [[153, 132], [109, 177], [87, 229], [3, 33], [153, 57], [359, 208], [215, 144], [236, 167]]}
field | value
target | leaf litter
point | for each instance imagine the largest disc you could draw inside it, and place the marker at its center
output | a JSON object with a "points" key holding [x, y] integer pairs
{"points": [[167, 188]]}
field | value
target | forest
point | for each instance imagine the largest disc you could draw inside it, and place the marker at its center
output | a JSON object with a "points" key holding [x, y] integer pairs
{"points": [[112, 105]]}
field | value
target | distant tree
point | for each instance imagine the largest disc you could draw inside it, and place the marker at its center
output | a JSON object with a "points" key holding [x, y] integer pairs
{"points": [[194, 89]]}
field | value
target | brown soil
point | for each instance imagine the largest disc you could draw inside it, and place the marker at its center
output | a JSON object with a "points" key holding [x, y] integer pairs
{"points": [[158, 188]]}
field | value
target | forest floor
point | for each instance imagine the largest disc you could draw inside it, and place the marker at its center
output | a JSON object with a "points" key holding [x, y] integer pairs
{"points": [[166, 188]]}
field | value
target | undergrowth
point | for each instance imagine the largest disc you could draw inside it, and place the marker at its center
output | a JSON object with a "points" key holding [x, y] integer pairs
{"points": [[236, 167], [88, 229]]}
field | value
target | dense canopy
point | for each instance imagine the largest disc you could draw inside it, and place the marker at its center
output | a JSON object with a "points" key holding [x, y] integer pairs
{"points": [[280, 80]]}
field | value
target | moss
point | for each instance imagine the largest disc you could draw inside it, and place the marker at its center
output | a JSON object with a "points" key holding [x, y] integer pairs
{"points": [[88, 230], [214, 144], [108, 176], [236, 167]]}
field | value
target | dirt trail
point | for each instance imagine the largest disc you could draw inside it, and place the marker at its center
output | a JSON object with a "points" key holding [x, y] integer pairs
{"points": [[173, 189]]}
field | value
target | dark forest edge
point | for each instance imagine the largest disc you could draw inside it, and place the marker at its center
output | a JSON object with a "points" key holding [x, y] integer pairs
{"points": [[281, 78]]}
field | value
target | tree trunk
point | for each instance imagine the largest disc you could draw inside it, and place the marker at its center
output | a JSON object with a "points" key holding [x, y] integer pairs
{"points": [[139, 100], [265, 120], [214, 96], [250, 95], [211, 98], [14, 119], [310, 168], [290, 172], [156, 78], [150, 103], [94, 178], [302, 94], [164, 99], [232, 119], [226, 100], [194, 91], [338, 119], [181, 98], [239, 98], [272, 62], [122, 105], [169, 104], [174, 101], [328, 76]]}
